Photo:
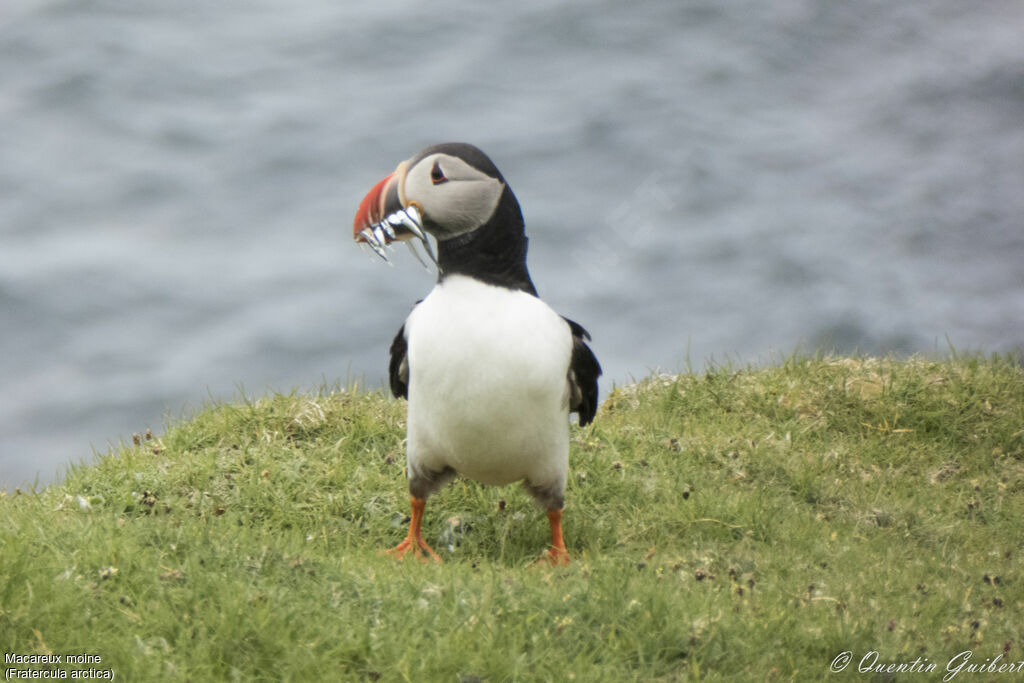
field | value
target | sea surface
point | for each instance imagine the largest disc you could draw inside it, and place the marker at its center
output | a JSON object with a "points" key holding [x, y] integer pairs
{"points": [[703, 182]]}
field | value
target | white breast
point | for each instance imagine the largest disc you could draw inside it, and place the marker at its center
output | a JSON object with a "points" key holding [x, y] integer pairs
{"points": [[488, 393]]}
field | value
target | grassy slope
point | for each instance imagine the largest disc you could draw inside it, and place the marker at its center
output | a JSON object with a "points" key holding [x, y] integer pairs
{"points": [[748, 524]]}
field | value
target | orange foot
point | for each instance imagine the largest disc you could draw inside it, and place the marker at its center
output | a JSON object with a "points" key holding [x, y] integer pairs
{"points": [[414, 541], [556, 555], [553, 557], [418, 547]]}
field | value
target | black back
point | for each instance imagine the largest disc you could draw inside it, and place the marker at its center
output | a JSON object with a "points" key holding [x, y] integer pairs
{"points": [[583, 373], [494, 253], [398, 379]]}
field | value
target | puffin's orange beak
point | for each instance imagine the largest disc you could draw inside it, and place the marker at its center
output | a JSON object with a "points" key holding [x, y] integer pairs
{"points": [[383, 217], [371, 210]]}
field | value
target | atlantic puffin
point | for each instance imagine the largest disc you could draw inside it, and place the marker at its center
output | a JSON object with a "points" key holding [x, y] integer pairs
{"points": [[491, 372]]}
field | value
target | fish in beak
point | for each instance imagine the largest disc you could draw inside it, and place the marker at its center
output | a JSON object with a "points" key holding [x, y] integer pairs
{"points": [[384, 217]]}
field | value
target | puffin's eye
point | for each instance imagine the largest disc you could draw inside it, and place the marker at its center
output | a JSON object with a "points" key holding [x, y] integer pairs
{"points": [[436, 174]]}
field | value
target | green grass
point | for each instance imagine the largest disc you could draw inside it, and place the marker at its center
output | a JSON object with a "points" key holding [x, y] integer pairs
{"points": [[730, 524]]}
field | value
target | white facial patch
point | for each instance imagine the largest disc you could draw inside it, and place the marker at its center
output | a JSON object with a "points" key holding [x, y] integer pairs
{"points": [[464, 200]]}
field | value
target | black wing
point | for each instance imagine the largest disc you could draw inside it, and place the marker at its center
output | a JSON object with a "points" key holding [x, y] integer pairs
{"points": [[398, 368], [583, 373]]}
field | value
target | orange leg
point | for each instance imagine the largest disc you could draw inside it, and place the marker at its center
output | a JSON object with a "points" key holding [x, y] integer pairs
{"points": [[414, 540], [556, 555]]}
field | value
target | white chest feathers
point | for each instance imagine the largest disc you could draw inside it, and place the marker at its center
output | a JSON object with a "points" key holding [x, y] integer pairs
{"points": [[488, 388]]}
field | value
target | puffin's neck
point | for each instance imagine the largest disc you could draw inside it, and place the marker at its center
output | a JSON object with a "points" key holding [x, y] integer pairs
{"points": [[494, 253]]}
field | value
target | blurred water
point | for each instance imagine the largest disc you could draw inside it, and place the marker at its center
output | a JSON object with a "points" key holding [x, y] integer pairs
{"points": [[700, 180]]}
